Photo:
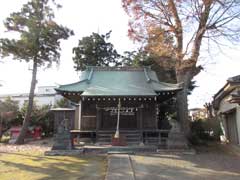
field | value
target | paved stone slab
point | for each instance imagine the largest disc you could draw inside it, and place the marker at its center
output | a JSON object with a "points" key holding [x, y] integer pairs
{"points": [[63, 152], [119, 167], [178, 151], [202, 166], [120, 152]]}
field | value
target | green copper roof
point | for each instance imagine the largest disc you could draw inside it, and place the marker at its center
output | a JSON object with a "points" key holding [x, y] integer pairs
{"points": [[97, 81]]}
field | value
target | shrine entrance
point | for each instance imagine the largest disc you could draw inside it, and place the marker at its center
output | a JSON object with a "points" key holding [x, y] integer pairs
{"points": [[128, 119]]}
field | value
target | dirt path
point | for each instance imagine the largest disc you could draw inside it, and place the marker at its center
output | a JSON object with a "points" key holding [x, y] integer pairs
{"points": [[204, 166], [214, 162]]}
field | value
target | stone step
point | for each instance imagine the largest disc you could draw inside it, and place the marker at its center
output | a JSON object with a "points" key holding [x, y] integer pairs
{"points": [[105, 137], [126, 135], [104, 140], [110, 134], [120, 152], [127, 138]]}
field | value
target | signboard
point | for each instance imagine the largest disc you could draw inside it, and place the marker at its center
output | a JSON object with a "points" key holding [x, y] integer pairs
{"points": [[127, 111]]}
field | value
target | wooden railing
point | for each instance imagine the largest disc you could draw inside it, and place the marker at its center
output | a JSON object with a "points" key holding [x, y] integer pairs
{"points": [[149, 136], [158, 136]]}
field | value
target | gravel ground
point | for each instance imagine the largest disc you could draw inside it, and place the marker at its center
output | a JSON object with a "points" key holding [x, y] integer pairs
{"points": [[208, 164], [38, 146], [216, 162]]}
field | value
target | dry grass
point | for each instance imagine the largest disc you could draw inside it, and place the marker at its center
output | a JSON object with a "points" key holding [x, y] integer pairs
{"points": [[33, 165]]}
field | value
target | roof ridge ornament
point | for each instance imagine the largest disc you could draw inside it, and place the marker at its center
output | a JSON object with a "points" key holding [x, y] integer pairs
{"points": [[146, 74], [118, 68], [90, 75], [234, 79]]}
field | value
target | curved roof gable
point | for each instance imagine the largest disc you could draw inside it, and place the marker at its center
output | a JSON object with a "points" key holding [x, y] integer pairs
{"points": [[96, 81]]}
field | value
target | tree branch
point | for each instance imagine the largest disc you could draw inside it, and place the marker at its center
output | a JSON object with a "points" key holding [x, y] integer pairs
{"points": [[200, 31], [178, 28]]}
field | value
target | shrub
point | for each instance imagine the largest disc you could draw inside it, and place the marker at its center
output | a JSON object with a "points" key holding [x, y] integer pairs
{"points": [[41, 116], [203, 130], [5, 139]]}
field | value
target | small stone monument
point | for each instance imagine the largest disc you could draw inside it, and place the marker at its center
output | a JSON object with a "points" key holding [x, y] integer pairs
{"points": [[62, 139], [176, 138]]}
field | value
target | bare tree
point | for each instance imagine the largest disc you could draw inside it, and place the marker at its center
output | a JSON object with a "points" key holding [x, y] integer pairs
{"points": [[209, 109], [188, 23]]}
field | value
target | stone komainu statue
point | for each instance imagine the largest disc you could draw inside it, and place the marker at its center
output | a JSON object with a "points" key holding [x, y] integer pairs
{"points": [[176, 138]]}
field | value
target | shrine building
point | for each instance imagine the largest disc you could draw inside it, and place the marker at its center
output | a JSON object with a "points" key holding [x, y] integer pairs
{"points": [[126, 99]]}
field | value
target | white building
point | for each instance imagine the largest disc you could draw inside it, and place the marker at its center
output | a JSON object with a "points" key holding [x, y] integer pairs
{"points": [[45, 95], [197, 113], [227, 107]]}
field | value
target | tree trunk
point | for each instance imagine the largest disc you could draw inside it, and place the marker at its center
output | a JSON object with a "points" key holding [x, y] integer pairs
{"points": [[182, 102], [27, 119], [1, 132]]}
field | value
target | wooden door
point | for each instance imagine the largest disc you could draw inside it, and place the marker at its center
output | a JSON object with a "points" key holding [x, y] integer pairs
{"points": [[127, 121], [232, 127]]}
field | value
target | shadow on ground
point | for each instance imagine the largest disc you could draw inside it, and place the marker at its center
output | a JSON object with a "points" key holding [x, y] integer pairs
{"points": [[211, 163], [37, 166]]}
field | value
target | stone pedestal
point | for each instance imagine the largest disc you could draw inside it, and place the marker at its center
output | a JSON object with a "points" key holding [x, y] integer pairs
{"points": [[176, 138], [177, 141], [62, 141]]}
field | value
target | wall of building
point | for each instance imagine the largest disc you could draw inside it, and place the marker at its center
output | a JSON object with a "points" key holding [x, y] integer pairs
{"points": [[47, 99], [39, 99], [19, 98], [223, 125], [226, 107], [88, 115], [238, 123], [197, 113], [107, 119], [46, 95], [149, 116], [46, 90]]}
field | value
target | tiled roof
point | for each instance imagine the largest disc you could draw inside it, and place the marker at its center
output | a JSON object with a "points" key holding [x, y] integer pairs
{"points": [[97, 81]]}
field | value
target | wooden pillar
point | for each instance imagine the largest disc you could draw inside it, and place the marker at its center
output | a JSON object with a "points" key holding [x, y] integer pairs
{"points": [[80, 114], [156, 116], [98, 121], [157, 122], [141, 123]]}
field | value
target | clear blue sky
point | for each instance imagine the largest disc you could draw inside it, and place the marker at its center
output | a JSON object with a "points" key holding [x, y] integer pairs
{"points": [[85, 17]]}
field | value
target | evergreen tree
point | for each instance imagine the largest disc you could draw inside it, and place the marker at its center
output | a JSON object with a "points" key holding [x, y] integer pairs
{"points": [[95, 50], [39, 43]]}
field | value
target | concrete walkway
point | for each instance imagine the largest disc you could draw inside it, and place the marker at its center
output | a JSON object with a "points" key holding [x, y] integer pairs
{"points": [[119, 167], [213, 164]]}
